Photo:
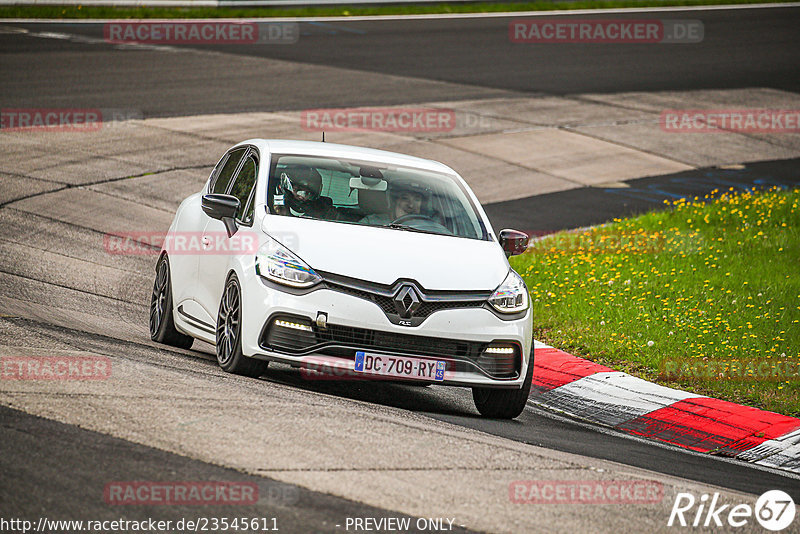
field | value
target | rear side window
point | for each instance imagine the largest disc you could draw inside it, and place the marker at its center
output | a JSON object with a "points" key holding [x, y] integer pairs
{"points": [[224, 176], [243, 186]]}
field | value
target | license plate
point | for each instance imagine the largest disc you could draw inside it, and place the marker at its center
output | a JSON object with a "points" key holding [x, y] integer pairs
{"points": [[400, 366]]}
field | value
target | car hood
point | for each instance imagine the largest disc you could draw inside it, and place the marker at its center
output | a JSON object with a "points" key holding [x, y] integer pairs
{"points": [[384, 255]]}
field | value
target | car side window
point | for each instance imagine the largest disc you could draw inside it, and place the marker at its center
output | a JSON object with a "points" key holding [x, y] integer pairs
{"points": [[243, 187], [220, 185]]}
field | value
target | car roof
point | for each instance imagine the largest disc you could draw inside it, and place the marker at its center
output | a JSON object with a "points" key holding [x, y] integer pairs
{"points": [[314, 148]]}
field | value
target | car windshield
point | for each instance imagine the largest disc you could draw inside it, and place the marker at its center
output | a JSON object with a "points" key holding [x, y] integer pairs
{"points": [[372, 194]]}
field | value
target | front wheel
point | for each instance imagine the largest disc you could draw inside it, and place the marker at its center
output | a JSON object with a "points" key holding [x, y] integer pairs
{"points": [[504, 403], [229, 334]]}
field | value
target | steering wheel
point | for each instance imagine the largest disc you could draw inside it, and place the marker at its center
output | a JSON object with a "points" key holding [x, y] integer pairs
{"points": [[427, 223], [403, 219]]}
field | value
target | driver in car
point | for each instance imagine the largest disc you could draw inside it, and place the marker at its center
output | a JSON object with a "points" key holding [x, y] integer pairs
{"points": [[298, 194], [405, 198]]}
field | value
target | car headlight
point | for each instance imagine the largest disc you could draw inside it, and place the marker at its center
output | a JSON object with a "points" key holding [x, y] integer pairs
{"points": [[276, 263], [511, 296]]}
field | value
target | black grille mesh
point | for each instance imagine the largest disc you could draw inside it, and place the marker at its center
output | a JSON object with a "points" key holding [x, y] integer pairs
{"points": [[401, 343], [387, 304]]}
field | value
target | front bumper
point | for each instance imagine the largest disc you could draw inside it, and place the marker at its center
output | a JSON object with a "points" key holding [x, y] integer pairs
{"points": [[458, 336]]}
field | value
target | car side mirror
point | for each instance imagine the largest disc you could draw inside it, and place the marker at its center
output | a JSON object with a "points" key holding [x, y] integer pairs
{"points": [[513, 242], [223, 208]]}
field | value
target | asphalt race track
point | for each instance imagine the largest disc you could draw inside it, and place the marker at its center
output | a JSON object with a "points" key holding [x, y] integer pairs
{"points": [[449, 59], [319, 451]]}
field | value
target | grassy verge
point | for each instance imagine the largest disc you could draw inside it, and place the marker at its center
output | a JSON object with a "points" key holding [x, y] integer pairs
{"points": [[108, 12], [703, 296]]}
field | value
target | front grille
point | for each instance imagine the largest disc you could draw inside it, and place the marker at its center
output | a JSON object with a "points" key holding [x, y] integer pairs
{"points": [[426, 308], [344, 341], [385, 303], [399, 343]]}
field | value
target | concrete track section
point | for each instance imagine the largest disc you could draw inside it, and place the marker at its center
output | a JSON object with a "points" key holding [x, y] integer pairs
{"points": [[506, 148]]}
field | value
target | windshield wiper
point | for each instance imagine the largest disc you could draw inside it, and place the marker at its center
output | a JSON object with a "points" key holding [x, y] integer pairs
{"points": [[408, 228]]}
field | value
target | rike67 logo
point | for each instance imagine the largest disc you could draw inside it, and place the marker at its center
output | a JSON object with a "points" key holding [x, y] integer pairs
{"points": [[774, 510]]}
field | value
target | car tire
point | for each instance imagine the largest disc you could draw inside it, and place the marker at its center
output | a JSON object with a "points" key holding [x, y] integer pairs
{"points": [[229, 334], [504, 403], [162, 323]]}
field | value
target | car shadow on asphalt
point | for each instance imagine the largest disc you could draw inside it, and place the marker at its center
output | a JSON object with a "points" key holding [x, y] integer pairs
{"points": [[434, 401], [414, 397]]}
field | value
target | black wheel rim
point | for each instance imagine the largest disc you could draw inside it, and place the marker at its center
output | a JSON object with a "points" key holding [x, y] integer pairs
{"points": [[228, 323], [159, 298]]}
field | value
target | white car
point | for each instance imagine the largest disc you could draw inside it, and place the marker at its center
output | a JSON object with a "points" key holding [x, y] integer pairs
{"points": [[380, 264]]}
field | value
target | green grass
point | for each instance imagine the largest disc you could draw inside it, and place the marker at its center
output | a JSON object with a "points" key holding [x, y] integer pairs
{"points": [[108, 12], [708, 281]]}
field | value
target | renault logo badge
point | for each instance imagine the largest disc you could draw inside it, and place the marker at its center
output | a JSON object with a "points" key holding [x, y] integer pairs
{"points": [[406, 301]]}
